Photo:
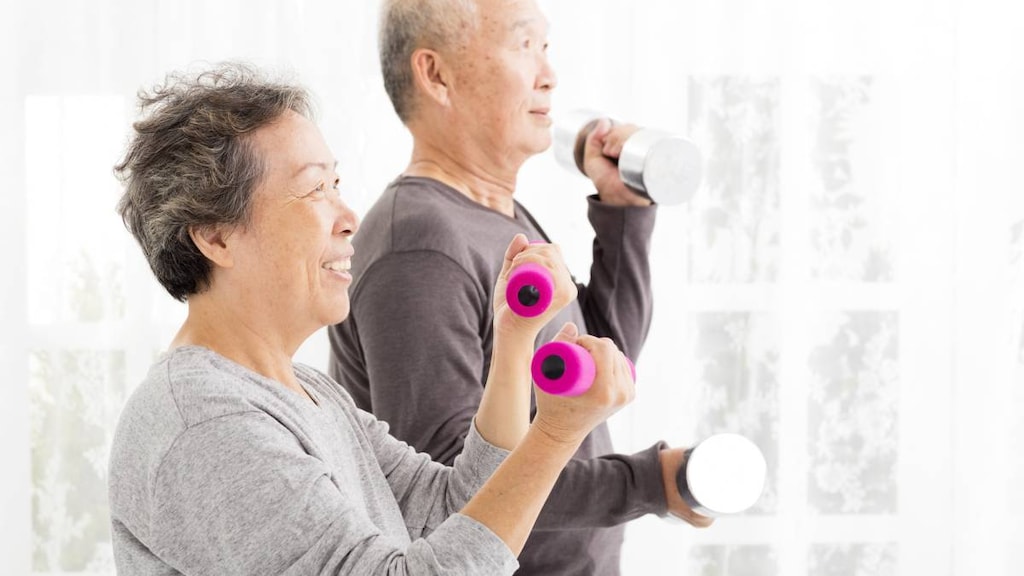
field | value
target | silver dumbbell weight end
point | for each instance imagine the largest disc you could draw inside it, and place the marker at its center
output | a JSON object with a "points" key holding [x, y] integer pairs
{"points": [[570, 134], [663, 167], [722, 475]]}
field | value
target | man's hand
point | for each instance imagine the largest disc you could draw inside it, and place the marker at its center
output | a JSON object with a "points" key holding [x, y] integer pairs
{"points": [[602, 149], [671, 460]]}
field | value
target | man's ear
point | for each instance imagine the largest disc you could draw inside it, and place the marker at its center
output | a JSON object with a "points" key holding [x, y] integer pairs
{"points": [[431, 75], [212, 241]]}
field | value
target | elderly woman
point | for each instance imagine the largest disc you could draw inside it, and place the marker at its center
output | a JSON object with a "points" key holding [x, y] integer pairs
{"points": [[229, 458]]}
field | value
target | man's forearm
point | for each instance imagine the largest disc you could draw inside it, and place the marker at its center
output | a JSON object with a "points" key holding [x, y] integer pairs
{"points": [[605, 491], [617, 302]]}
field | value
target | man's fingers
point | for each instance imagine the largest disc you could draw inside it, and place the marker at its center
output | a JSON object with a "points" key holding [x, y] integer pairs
{"points": [[616, 139], [596, 138]]}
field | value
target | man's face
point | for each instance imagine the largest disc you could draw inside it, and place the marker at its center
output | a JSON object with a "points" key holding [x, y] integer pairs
{"points": [[503, 81]]}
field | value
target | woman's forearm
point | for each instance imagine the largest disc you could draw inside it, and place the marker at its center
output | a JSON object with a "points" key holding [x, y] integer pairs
{"points": [[504, 413], [509, 503]]}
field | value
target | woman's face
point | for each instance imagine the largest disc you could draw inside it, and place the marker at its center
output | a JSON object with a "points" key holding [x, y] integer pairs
{"points": [[293, 259]]}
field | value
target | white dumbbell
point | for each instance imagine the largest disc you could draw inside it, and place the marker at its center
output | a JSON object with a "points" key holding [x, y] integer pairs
{"points": [[723, 475]]}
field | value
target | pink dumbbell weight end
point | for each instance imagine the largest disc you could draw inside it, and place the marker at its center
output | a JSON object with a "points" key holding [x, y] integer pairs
{"points": [[529, 290], [565, 369]]}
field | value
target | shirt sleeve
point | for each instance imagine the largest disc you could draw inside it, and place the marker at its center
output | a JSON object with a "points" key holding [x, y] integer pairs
{"points": [[240, 495], [416, 481], [605, 491], [617, 302], [424, 331]]}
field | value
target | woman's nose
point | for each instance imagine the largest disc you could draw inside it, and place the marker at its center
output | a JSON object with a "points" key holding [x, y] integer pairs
{"points": [[346, 223]]}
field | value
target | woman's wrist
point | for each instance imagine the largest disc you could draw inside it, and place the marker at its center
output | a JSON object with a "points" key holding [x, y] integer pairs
{"points": [[512, 349], [554, 436]]}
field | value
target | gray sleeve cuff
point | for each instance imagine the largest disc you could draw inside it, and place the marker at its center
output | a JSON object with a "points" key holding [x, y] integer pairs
{"points": [[623, 221], [459, 534], [651, 483], [485, 456], [471, 469]]}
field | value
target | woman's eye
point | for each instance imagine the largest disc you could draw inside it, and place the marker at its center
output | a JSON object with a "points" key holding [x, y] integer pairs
{"points": [[320, 190]]}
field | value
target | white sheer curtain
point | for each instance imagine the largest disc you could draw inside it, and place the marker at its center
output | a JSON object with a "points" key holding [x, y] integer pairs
{"points": [[847, 287]]}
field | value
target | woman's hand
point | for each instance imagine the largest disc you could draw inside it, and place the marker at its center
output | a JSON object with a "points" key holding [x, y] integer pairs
{"points": [[567, 419], [549, 257], [503, 417]]}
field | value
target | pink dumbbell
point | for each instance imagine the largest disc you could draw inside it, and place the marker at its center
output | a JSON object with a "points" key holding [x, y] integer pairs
{"points": [[530, 288], [565, 369]]}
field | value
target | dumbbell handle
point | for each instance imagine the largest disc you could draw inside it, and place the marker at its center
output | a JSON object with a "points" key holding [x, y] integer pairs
{"points": [[565, 369], [580, 145]]}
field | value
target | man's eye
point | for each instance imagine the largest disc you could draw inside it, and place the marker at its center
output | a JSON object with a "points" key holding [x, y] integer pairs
{"points": [[319, 188]]}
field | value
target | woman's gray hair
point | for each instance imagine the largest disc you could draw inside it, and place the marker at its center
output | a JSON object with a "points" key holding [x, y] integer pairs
{"points": [[407, 25], [190, 163]]}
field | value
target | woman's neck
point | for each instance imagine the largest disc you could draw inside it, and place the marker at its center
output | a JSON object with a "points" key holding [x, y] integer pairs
{"points": [[216, 325]]}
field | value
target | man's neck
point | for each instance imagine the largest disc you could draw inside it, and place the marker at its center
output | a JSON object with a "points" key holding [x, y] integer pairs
{"points": [[484, 184]]}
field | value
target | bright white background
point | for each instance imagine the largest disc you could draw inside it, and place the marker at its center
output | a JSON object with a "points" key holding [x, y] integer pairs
{"points": [[847, 288]]}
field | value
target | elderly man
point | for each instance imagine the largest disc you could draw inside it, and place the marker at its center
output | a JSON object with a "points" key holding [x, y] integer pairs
{"points": [[471, 81]]}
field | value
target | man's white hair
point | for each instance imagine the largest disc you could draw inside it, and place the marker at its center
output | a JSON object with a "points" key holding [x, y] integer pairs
{"points": [[405, 26]]}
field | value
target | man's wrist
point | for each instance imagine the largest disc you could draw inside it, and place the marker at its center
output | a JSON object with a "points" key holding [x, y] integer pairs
{"points": [[625, 199]]}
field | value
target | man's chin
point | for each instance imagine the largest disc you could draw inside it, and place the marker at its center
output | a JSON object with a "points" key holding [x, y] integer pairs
{"points": [[542, 144]]}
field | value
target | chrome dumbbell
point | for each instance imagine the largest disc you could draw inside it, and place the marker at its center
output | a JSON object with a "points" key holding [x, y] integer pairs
{"points": [[723, 475], [658, 165]]}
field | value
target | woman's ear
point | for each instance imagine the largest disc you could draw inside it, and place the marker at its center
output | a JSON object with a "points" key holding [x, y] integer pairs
{"points": [[431, 75], [212, 241]]}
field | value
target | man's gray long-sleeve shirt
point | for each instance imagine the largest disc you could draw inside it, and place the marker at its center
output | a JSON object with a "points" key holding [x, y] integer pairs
{"points": [[217, 470], [416, 348]]}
